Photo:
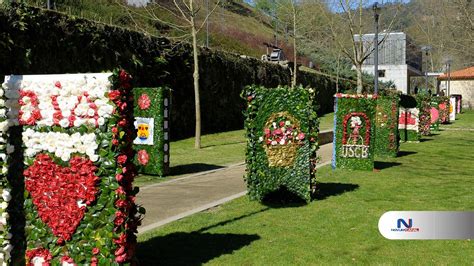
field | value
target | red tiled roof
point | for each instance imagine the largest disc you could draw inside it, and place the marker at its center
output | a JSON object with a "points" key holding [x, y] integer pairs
{"points": [[466, 73]]}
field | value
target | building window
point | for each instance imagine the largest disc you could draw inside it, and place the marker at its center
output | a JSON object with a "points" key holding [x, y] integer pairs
{"points": [[381, 73]]}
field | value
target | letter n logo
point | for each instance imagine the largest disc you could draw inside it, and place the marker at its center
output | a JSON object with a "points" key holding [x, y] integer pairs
{"points": [[401, 221]]}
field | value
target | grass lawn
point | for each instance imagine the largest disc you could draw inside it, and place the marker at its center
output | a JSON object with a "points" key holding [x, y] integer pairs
{"points": [[326, 122], [340, 226], [464, 120], [218, 150]]}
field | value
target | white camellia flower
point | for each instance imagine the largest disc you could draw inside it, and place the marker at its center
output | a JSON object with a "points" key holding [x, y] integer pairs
{"points": [[38, 261], [4, 126], [64, 123], [4, 170], [65, 263], [5, 215], [6, 195], [3, 220], [10, 149]]}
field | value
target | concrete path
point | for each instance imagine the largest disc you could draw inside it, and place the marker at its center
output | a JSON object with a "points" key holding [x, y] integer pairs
{"points": [[177, 198]]}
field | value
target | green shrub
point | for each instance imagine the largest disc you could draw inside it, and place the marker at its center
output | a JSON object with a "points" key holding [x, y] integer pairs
{"points": [[154, 103], [354, 149], [424, 105], [273, 162]]}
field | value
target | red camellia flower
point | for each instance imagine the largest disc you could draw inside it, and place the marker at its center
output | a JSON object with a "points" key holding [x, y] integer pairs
{"points": [[122, 159], [57, 84], [143, 157], [144, 101], [95, 251], [94, 261], [67, 259], [114, 95], [38, 253], [119, 218]]}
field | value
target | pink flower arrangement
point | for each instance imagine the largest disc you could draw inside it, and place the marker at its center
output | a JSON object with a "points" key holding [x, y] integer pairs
{"points": [[282, 132], [143, 157], [144, 101]]}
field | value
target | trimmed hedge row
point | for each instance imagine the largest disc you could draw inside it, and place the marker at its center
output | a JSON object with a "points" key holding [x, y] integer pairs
{"points": [[34, 41], [282, 128]]}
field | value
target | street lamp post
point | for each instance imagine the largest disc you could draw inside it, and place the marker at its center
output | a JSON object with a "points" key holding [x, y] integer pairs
{"points": [[426, 49], [376, 10]]}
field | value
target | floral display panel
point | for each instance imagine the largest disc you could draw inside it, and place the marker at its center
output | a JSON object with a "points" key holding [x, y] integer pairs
{"points": [[77, 131], [452, 108], [409, 119], [152, 111], [354, 131], [424, 105], [435, 113], [386, 124], [443, 106], [281, 127]]}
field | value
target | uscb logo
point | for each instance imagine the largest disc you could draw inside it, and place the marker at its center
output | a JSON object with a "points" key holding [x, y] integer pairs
{"points": [[143, 132]]}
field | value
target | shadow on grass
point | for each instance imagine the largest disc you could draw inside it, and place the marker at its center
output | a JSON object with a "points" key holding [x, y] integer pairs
{"points": [[223, 144], [384, 165], [325, 190], [282, 198], [192, 168], [190, 248], [406, 153], [425, 140], [231, 220]]}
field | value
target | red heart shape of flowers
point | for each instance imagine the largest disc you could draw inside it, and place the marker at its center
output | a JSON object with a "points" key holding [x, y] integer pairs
{"points": [[61, 194]]}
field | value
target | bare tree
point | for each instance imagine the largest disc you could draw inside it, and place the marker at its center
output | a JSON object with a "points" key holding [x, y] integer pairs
{"points": [[186, 17], [348, 26]]}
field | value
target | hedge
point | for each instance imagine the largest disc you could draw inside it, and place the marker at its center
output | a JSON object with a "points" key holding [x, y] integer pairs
{"points": [[35, 41], [354, 132], [76, 153], [152, 149], [386, 124], [282, 128]]}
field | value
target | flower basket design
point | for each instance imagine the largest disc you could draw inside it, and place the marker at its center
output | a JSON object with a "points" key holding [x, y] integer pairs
{"points": [[282, 139], [282, 130]]}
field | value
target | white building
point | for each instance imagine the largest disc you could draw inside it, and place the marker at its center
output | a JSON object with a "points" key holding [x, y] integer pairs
{"points": [[460, 82], [138, 3], [399, 59]]}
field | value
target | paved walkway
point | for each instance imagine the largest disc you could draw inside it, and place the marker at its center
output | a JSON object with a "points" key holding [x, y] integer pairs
{"points": [[177, 198]]}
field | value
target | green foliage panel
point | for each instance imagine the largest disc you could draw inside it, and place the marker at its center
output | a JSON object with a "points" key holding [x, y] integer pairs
{"points": [[424, 105], [386, 123], [354, 136], [274, 162], [152, 159]]}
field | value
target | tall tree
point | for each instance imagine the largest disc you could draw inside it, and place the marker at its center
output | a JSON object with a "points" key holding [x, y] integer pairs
{"points": [[186, 16]]}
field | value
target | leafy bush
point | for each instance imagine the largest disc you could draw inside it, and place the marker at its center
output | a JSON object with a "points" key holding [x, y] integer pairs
{"points": [[281, 126]]}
